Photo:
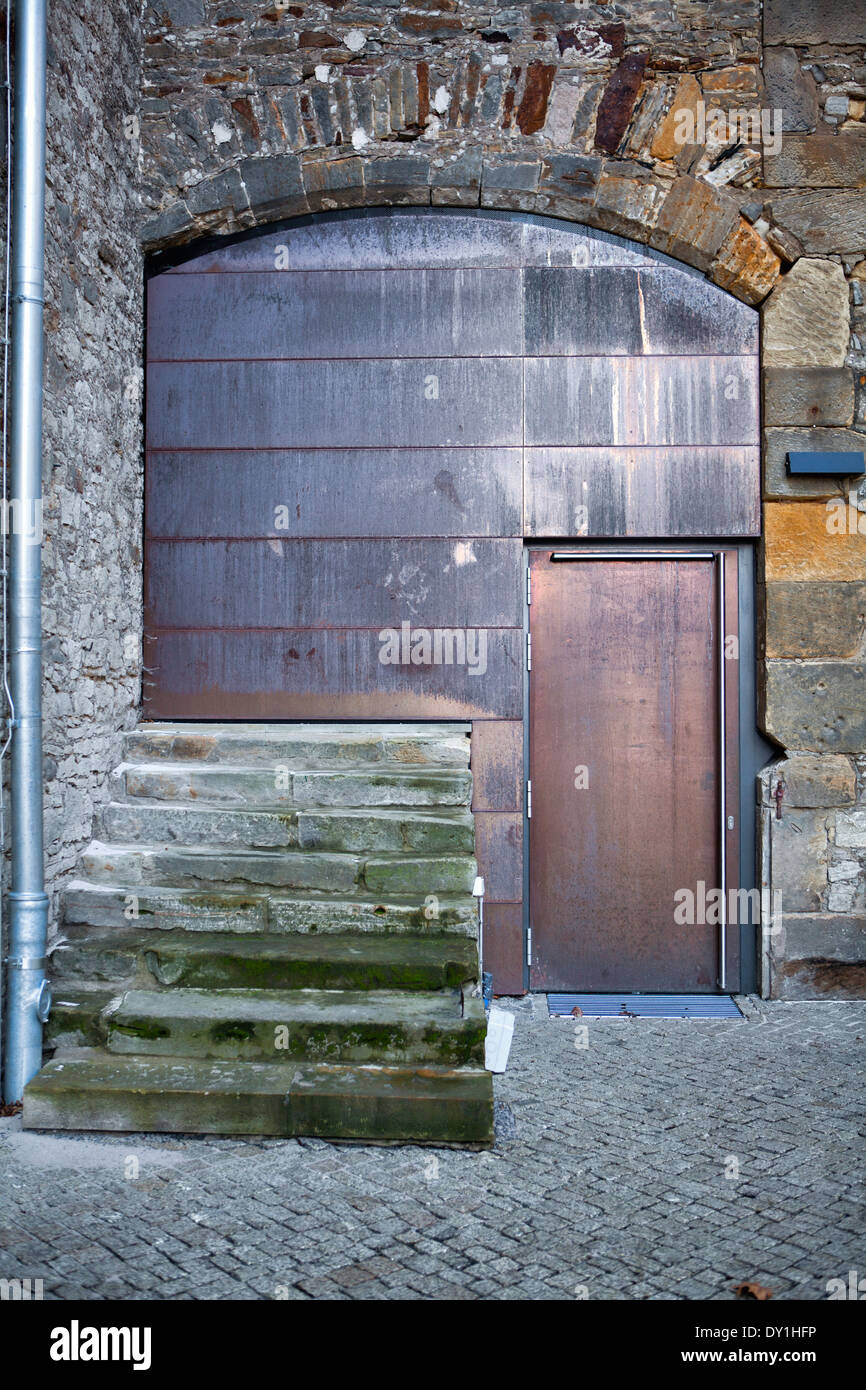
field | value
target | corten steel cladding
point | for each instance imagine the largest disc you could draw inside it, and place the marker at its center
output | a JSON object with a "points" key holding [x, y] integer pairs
{"points": [[355, 421], [624, 684]]}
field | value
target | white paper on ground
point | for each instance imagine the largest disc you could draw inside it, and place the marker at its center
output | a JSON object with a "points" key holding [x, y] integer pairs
{"points": [[497, 1045]]}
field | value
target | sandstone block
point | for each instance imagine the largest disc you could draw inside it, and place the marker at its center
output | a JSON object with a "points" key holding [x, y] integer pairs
{"points": [[801, 543], [817, 705], [778, 443], [808, 396], [745, 264], [693, 222], [790, 89], [817, 161], [814, 619], [806, 318]]}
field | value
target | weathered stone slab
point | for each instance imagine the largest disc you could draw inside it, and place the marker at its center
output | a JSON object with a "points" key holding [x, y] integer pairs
{"points": [[195, 825], [274, 187], [567, 184], [817, 782], [425, 876], [813, 21], [149, 1095], [817, 161], [436, 915], [778, 443], [808, 396], [817, 705], [745, 264], [693, 222], [626, 206], [825, 222], [425, 1106], [812, 620], [183, 866], [388, 830], [163, 909], [668, 141], [397, 180], [800, 855], [285, 1025], [806, 319], [790, 89], [509, 181], [851, 829], [456, 180], [823, 956], [800, 544], [385, 788], [333, 183]]}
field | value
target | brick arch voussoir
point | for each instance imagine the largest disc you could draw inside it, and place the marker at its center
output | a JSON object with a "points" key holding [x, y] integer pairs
{"points": [[685, 218]]}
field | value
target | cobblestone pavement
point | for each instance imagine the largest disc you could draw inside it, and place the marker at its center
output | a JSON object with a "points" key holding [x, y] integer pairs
{"points": [[663, 1160]]}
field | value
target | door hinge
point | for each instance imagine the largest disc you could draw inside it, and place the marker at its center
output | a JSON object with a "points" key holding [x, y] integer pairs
{"points": [[529, 586], [529, 651], [529, 800], [529, 946]]}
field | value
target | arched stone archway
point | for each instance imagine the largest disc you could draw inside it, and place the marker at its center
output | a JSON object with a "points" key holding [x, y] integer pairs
{"points": [[358, 422], [684, 217]]}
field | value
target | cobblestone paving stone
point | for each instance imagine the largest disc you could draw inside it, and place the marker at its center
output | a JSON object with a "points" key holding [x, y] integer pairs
{"points": [[607, 1180]]}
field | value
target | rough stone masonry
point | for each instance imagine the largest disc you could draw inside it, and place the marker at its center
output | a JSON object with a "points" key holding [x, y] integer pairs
{"points": [[203, 117]]}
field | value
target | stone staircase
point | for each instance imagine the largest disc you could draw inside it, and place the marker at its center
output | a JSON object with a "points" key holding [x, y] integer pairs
{"points": [[274, 933]]}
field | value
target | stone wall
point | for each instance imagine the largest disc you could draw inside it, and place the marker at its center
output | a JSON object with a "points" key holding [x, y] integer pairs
{"points": [[814, 345], [92, 445], [601, 113]]}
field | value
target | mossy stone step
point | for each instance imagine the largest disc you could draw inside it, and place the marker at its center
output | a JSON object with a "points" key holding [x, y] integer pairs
{"points": [[134, 866], [420, 1105], [180, 1095], [233, 910], [446, 1027], [77, 1017], [94, 1090], [261, 786], [303, 745], [223, 961]]}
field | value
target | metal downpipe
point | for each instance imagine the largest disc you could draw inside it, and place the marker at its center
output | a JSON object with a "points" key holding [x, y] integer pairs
{"points": [[27, 991]]}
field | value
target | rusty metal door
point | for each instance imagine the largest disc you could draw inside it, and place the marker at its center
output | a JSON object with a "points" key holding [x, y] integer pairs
{"points": [[631, 747]]}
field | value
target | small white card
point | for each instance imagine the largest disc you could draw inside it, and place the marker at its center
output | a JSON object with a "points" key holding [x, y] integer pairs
{"points": [[497, 1045]]}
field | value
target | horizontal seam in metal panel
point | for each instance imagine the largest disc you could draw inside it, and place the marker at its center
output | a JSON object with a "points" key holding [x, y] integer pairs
{"points": [[336, 627], [469, 357], [414, 448], [274, 536]]}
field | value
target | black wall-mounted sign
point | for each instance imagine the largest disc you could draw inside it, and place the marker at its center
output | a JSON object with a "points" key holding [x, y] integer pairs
{"points": [[826, 462]]}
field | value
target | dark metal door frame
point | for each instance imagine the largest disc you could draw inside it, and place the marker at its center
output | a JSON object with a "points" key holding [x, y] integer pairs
{"points": [[745, 749]]}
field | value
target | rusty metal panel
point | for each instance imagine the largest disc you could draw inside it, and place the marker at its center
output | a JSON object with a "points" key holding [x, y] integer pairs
{"points": [[503, 946], [433, 492], [497, 765], [712, 491], [336, 314], [641, 400], [324, 674], [499, 851], [335, 404], [350, 583], [624, 762], [613, 310], [358, 378]]}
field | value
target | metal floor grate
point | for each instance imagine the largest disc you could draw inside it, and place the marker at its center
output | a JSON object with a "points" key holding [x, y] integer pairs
{"points": [[643, 1005]]}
